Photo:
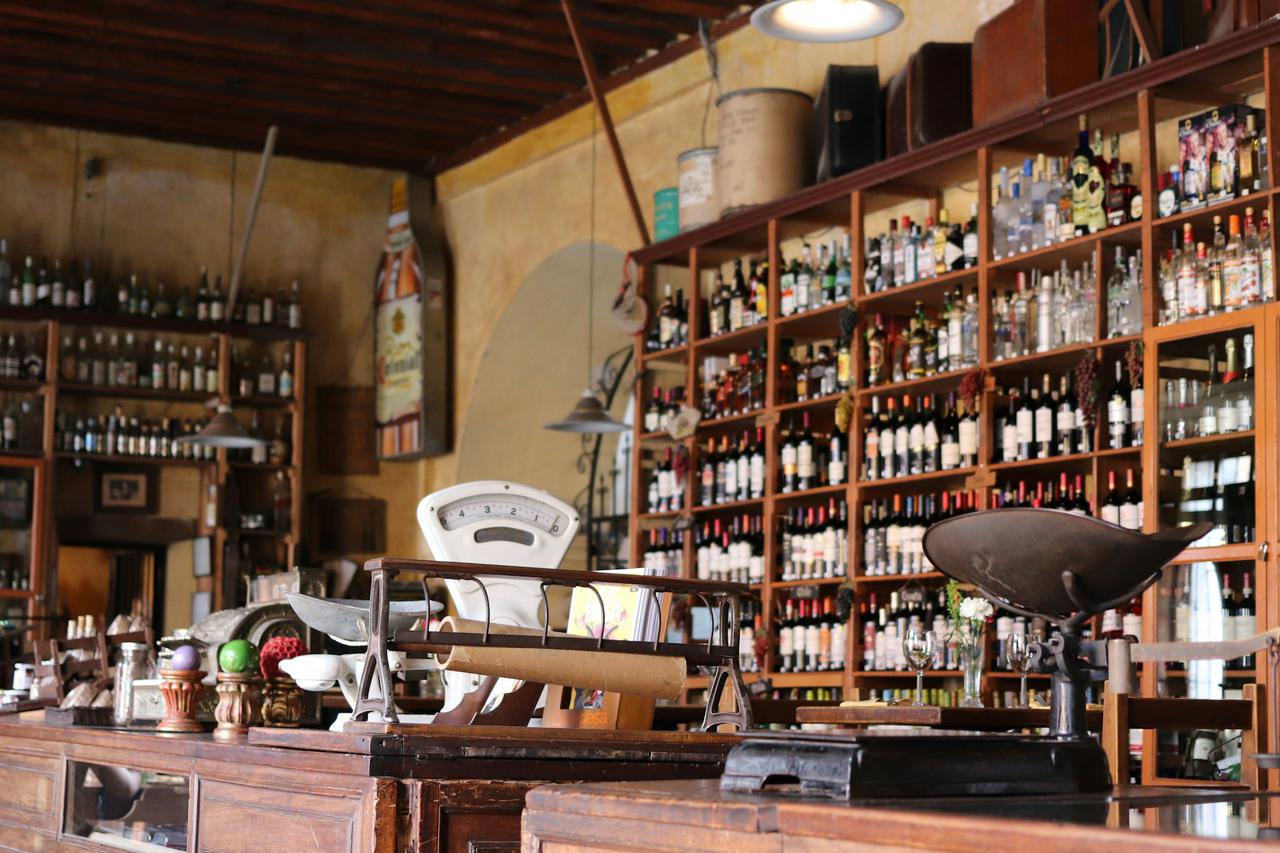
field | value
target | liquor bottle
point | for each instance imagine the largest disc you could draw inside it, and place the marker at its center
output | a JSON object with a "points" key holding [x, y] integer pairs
{"points": [[1044, 412], [1131, 505], [1245, 622], [1110, 510], [1081, 162], [877, 340], [971, 238], [1118, 410], [805, 468]]}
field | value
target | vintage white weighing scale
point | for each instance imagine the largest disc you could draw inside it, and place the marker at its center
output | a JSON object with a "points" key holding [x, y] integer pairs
{"points": [[489, 522]]}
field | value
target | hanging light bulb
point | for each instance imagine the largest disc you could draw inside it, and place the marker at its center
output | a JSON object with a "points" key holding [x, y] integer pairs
{"points": [[826, 20]]}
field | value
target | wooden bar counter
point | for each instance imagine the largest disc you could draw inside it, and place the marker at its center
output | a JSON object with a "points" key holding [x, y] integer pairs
{"points": [[696, 816], [452, 789]]}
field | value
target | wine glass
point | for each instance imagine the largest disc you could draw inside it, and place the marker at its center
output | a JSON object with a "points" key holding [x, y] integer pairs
{"points": [[917, 648], [1018, 654]]}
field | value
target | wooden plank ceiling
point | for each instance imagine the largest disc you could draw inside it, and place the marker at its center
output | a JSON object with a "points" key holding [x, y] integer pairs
{"points": [[405, 84]]}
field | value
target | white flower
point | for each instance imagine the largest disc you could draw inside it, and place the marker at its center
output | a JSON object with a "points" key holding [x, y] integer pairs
{"points": [[978, 609]]}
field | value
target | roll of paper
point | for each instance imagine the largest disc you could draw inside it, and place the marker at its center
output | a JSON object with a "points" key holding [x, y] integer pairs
{"points": [[657, 676]]}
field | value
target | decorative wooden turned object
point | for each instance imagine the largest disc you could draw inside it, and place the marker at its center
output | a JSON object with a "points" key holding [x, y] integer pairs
{"points": [[181, 690], [239, 702], [281, 703]]}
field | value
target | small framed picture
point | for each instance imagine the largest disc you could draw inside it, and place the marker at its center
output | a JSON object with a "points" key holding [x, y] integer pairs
{"points": [[125, 490]]}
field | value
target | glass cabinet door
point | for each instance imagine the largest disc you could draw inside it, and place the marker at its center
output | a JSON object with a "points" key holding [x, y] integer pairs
{"points": [[21, 488], [1208, 388]]}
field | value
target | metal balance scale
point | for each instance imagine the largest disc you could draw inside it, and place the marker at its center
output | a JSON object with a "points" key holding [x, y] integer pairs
{"points": [[1051, 564], [489, 522]]}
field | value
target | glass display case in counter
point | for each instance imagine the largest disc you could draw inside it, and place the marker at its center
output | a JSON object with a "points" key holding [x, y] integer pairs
{"points": [[127, 809]]}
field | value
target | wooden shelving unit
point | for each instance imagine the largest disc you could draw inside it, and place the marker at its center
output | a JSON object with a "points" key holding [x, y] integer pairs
{"points": [[52, 325], [1133, 104]]}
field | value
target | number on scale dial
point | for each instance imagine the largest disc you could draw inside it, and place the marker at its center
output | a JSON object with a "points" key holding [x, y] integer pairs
{"points": [[488, 508]]}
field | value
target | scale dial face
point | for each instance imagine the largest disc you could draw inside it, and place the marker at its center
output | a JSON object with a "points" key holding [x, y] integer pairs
{"points": [[497, 508], [497, 523]]}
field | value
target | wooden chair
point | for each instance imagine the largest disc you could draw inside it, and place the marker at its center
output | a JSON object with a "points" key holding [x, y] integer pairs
{"points": [[1121, 713]]}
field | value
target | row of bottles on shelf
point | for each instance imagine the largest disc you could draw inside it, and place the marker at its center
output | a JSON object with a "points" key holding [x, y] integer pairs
{"points": [[814, 542], [664, 553], [1233, 270], [21, 357], [1069, 495], [1048, 202], [1219, 489], [1222, 155], [1219, 405], [666, 485], [672, 328], [920, 438], [117, 434], [806, 373], [893, 530], [883, 627], [1123, 507], [902, 256], [808, 460], [663, 406], [15, 573], [77, 288], [739, 305], [1199, 615], [275, 448], [924, 346], [733, 384], [810, 283], [811, 638], [1057, 309], [732, 473], [732, 552], [1040, 423], [20, 429], [127, 361]]}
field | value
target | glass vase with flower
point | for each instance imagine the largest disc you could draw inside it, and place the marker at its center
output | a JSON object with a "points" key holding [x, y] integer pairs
{"points": [[969, 616]]}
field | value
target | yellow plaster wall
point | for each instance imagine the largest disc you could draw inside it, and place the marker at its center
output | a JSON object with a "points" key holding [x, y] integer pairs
{"points": [[510, 209]]}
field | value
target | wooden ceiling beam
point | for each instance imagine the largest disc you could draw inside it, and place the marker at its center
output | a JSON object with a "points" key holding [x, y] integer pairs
{"points": [[644, 35], [123, 66], [234, 66], [463, 22], [665, 56], [312, 53], [181, 101], [689, 8], [76, 110]]}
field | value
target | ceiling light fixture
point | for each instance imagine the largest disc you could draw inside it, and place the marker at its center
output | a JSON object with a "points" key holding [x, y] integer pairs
{"points": [[826, 20], [223, 430]]}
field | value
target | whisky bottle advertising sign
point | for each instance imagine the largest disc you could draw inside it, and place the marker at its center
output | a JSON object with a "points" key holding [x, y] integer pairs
{"points": [[410, 343]]}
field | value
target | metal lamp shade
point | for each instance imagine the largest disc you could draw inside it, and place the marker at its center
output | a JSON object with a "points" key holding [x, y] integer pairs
{"points": [[588, 416], [223, 430], [826, 20]]}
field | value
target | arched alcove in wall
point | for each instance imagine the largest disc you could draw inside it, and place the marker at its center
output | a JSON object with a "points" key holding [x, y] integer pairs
{"points": [[533, 371]]}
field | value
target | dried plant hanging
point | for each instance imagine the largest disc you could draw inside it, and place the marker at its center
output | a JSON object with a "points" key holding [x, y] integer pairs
{"points": [[971, 386], [844, 412], [1133, 363], [1088, 389], [844, 602]]}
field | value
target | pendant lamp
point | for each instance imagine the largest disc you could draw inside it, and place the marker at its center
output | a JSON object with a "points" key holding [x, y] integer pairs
{"points": [[589, 415], [826, 20], [223, 430]]}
